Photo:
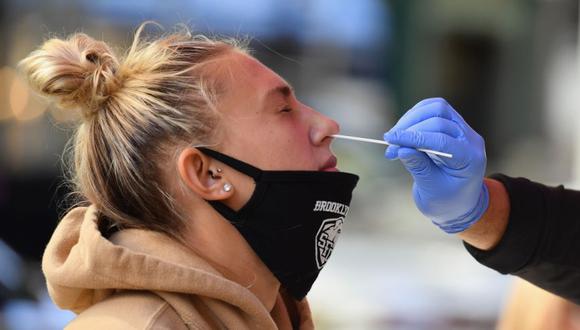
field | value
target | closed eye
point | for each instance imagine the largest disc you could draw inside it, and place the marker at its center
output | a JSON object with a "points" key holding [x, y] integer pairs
{"points": [[287, 109]]}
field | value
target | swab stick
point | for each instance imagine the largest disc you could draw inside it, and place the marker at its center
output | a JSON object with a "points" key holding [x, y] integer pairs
{"points": [[360, 139]]}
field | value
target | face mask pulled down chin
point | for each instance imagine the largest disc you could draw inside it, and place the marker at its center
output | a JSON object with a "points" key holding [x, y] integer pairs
{"points": [[292, 220]]}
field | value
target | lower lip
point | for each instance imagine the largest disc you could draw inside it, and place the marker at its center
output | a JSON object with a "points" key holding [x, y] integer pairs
{"points": [[330, 169]]}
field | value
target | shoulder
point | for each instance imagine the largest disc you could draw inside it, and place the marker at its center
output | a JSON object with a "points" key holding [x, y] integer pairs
{"points": [[129, 310]]}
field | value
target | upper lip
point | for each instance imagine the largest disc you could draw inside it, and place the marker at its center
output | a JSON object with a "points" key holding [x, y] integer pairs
{"points": [[330, 163]]}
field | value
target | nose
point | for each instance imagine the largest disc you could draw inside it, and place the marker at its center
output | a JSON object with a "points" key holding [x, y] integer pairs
{"points": [[321, 128]]}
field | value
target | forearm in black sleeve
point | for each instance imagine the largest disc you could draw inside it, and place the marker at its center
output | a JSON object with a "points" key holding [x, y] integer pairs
{"points": [[541, 243]]}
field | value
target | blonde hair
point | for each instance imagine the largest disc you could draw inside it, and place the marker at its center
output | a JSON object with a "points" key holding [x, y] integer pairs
{"points": [[136, 111]]}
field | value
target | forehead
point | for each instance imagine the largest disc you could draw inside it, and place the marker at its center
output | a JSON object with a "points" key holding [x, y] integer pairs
{"points": [[248, 78], [246, 66]]}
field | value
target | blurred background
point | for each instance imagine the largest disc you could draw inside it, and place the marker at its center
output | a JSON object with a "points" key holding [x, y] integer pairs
{"points": [[510, 67]]}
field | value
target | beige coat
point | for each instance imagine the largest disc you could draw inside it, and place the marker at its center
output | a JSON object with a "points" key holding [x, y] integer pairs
{"points": [[140, 279]]}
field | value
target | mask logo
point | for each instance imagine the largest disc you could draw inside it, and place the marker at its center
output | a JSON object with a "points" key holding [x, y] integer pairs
{"points": [[326, 238]]}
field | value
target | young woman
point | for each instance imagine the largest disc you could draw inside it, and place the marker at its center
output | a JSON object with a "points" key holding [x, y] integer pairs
{"points": [[209, 197]]}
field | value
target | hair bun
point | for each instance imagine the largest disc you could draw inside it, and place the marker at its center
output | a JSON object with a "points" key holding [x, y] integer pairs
{"points": [[78, 72]]}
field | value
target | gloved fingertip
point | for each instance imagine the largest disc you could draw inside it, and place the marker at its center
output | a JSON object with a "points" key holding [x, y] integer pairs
{"points": [[387, 135], [391, 152], [391, 136]]}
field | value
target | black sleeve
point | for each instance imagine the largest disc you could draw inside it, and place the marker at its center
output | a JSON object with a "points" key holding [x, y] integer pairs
{"points": [[542, 239]]}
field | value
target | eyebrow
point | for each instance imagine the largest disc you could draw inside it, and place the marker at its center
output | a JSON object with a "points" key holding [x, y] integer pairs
{"points": [[284, 90]]}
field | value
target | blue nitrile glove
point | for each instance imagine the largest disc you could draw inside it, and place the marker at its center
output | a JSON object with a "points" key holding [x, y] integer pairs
{"points": [[450, 191]]}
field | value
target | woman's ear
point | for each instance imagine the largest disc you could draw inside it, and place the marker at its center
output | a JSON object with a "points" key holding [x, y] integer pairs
{"points": [[203, 175]]}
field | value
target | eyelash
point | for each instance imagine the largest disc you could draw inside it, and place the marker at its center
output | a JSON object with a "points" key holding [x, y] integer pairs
{"points": [[286, 109]]}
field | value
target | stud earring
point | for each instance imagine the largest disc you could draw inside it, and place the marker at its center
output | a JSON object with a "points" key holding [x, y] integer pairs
{"points": [[213, 176], [227, 187]]}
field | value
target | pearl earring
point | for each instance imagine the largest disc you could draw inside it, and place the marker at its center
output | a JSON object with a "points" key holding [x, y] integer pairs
{"points": [[227, 187]]}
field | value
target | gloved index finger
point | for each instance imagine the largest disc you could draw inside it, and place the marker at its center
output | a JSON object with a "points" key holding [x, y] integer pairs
{"points": [[429, 108], [438, 125]]}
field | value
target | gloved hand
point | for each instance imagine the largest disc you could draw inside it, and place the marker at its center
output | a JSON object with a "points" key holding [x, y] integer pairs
{"points": [[450, 191]]}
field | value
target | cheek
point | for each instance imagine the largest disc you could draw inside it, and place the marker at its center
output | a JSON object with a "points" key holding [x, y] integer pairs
{"points": [[290, 146], [276, 142]]}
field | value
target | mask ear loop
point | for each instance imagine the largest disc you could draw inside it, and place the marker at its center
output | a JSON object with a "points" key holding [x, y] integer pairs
{"points": [[247, 169]]}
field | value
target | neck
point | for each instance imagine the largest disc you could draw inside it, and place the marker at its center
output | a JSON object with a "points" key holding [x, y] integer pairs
{"points": [[219, 242]]}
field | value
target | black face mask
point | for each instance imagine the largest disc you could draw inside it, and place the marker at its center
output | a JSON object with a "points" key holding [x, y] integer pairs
{"points": [[292, 219]]}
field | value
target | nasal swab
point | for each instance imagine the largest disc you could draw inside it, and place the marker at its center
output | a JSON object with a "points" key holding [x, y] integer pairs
{"points": [[354, 138]]}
